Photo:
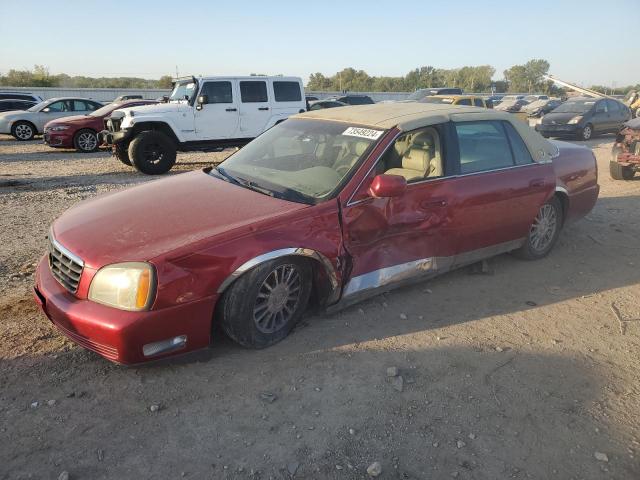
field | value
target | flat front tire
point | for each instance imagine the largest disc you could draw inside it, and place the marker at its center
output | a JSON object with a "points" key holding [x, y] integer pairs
{"points": [[263, 305], [544, 231], [152, 152]]}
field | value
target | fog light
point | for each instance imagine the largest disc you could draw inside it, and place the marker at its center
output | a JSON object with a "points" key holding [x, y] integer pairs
{"points": [[164, 346]]}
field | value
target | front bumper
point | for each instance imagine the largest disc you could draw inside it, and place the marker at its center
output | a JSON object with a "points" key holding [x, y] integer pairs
{"points": [[105, 137], [559, 130], [62, 139], [120, 335]]}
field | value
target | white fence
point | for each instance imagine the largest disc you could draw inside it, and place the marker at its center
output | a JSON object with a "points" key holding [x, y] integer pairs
{"points": [[109, 94]]}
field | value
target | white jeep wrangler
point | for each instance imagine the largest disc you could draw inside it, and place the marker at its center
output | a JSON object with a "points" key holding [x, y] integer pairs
{"points": [[204, 114]]}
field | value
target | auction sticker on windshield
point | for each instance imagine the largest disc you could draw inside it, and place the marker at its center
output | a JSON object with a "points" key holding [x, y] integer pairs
{"points": [[367, 133]]}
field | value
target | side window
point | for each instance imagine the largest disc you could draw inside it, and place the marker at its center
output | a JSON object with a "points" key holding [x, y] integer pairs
{"points": [[217, 92], [483, 146], [613, 105], [478, 102], [416, 156], [80, 106], [601, 107], [60, 106], [464, 101], [521, 153], [253, 92], [287, 91]]}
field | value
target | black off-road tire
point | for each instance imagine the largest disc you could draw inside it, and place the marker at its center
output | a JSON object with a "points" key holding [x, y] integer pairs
{"points": [[528, 251], [152, 152], [121, 152], [235, 310], [85, 141], [620, 172], [23, 131]]}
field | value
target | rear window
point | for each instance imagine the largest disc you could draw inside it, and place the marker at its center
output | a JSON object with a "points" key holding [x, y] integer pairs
{"points": [[253, 92], [287, 91]]}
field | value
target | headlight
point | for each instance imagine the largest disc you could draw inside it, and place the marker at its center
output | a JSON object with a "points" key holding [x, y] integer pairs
{"points": [[58, 128], [128, 286], [575, 120]]}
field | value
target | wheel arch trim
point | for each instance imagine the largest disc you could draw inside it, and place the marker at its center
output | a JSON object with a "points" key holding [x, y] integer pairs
{"points": [[282, 252]]}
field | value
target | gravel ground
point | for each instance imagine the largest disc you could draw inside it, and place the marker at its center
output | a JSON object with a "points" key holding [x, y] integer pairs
{"points": [[522, 373]]}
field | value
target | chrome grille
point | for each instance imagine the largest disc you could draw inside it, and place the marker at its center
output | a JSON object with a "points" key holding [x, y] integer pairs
{"points": [[65, 266]]}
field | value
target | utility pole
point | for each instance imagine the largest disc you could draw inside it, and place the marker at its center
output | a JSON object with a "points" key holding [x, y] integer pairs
{"points": [[177, 76]]}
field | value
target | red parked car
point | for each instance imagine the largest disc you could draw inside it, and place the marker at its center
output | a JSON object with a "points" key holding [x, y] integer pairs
{"points": [[325, 208], [81, 131]]}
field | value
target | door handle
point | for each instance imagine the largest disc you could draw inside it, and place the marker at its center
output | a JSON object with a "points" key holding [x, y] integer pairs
{"points": [[263, 108], [435, 202], [537, 182], [232, 109]]}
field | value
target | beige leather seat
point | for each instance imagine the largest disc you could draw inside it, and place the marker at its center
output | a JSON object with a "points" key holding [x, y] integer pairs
{"points": [[351, 154], [422, 158]]}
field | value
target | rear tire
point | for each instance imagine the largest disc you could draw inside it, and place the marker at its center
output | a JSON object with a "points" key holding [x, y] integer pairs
{"points": [[152, 152], [121, 152], [544, 231], [263, 305], [620, 172], [85, 141], [23, 131]]}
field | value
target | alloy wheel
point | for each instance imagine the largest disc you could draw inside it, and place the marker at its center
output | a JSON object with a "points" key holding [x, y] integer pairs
{"points": [[544, 228], [278, 298], [87, 141], [586, 132], [24, 131]]}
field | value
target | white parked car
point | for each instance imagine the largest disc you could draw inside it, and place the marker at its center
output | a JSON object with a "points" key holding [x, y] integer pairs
{"points": [[26, 124], [202, 114]]}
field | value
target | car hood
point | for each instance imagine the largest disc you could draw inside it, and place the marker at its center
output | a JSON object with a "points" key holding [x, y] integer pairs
{"points": [[161, 216], [15, 115], [559, 117], [153, 109], [75, 119]]}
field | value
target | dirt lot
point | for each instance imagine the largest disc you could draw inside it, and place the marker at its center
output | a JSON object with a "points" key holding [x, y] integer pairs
{"points": [[525, 373]]}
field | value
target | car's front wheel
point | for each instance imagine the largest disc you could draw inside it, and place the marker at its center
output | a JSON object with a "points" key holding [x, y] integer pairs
{"points": [[121, 152], [152, 152], [264, 304], [85, 141], [587, 132], [544, 231], [23, 131]]}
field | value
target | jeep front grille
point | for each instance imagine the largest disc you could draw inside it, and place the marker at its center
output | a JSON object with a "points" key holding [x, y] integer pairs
{"points": [[64, 265]]}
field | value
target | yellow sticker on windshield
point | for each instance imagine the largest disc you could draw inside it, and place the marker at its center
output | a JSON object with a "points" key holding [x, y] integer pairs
{"points": [[367, 133]]}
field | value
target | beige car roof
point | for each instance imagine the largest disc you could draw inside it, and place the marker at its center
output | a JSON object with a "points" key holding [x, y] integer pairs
{"points": [[407, 116]]}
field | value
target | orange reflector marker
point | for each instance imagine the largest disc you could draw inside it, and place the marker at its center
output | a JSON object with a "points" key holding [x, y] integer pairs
{"points": [[144, 284]]}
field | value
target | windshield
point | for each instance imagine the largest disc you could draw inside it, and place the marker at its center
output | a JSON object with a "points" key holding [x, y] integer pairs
{"points": [[418, 95], [182, 91], [537, 104], [107, 109], [300, 160], [575, 107], [431, 99], [38, 106]]}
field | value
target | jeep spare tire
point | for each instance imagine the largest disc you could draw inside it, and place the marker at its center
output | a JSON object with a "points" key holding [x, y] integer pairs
{"points": [[152, 152]]}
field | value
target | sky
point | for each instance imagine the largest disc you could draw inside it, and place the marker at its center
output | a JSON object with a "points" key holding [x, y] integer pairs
{"points": [[586, 42]]}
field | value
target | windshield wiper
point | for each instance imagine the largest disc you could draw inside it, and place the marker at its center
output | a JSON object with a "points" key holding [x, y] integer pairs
{"points": [[243, 182]]}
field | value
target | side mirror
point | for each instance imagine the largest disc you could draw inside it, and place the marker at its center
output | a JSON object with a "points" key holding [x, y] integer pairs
{"points": [[201, 100], [385, 186]]}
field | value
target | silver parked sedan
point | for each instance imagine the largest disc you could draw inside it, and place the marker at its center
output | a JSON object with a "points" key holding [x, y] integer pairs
{"points": [[24, 125]]}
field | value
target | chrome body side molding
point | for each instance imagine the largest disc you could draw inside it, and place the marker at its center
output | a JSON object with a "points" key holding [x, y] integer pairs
{"points": [[285, 252], [384, 279]]}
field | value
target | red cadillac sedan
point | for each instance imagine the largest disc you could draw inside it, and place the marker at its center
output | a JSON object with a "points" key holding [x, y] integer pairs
{"points": [[326, 208], [81, 131]]}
